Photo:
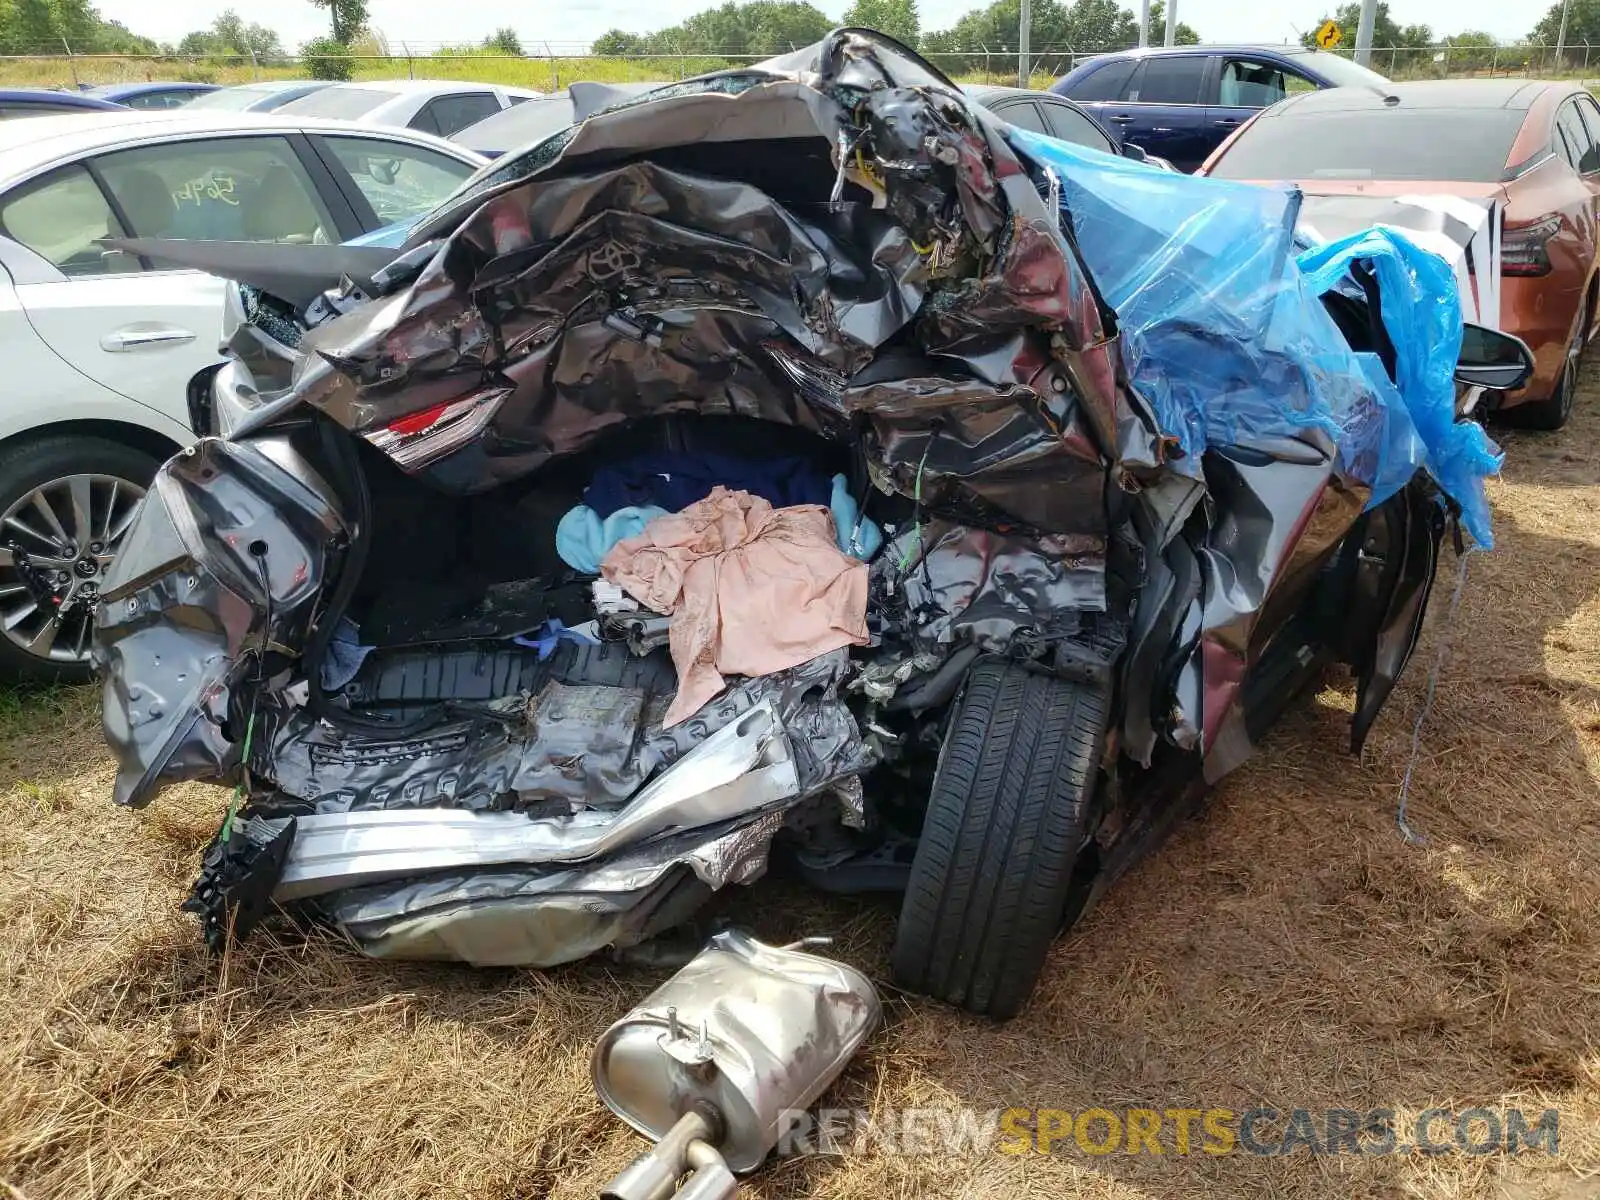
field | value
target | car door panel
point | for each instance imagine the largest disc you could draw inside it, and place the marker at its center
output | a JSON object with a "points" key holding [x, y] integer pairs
{"points": [[1163, 109], [141, 334], [56, 390]]}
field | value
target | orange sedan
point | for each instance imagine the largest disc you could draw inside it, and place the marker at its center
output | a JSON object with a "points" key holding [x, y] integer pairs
{"points": [[1528, 151]]}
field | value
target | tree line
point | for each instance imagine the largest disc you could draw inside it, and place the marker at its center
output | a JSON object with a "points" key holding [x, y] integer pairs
{"points": [[758, 27], [772, 26]]}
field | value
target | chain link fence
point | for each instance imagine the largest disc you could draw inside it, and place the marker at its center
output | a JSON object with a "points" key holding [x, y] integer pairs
{"points": [[554, 69]]}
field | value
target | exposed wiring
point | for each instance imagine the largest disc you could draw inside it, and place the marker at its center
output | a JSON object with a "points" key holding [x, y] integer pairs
{"points": [[1406, 832], [258, 551], [916, 495]]}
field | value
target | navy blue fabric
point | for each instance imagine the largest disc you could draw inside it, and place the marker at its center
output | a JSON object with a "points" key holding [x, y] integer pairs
{"points": [[675, 481]]}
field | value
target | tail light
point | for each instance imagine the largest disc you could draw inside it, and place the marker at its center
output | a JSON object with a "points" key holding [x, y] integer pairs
{"points": [[419, 438], [1524, 249]]}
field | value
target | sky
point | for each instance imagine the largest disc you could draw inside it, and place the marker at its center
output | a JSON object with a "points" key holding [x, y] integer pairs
{"points": [[569, 25]]}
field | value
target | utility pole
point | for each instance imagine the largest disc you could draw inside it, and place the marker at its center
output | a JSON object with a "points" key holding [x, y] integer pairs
{"points": [[1144, 23], [1024, 27], [1369, 14], [1172, 23], [1561, 37]]}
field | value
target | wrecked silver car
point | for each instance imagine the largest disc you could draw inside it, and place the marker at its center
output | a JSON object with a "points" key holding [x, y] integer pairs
{"points": [[796, 460]]}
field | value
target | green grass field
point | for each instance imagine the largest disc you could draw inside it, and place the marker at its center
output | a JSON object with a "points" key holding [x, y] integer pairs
{"points": [[545, 74]]}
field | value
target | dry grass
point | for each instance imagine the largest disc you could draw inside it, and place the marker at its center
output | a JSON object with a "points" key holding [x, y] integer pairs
{"points": [[1289, 949]]}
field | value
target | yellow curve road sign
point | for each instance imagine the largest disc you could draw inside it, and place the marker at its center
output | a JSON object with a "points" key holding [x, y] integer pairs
{"points": [[1329, 35]]}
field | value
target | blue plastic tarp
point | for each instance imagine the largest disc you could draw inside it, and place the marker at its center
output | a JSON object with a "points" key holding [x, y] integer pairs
{"points": [[1225, 336]]}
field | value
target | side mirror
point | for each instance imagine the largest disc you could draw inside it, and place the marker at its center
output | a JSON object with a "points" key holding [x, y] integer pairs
{"points": [[1129, 150], [1491, 359]]}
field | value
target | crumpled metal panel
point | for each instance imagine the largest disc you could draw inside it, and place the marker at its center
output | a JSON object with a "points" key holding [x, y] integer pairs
{"points": [[1272, 516], [534, 931], [226, 537], [482, 763], [950, 585], [691, 253], [541, 917]]}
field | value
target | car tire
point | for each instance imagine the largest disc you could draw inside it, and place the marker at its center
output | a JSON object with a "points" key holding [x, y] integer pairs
{"points": [[1007, 818], [1553, 412], [60, 470]]}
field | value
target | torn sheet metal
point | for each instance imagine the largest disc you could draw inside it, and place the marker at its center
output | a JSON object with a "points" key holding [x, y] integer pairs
{"points": [[950, 585], [491, 762], [745, 767], [837, 242], [544, 916], [221, 565], [1291, 430], [602, 291]]}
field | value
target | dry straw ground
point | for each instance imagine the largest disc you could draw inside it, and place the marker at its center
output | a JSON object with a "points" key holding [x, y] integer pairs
{"points": [[1288, 949]]}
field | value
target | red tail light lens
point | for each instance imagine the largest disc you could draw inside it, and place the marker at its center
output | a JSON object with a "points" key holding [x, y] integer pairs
{"points": [[419, 438], [1524, 249]]}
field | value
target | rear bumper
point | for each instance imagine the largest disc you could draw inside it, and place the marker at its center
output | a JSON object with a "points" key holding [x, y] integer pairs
{"points": [[1540, 311]]}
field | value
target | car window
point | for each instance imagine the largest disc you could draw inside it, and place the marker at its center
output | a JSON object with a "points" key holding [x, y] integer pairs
{"points": [[445, 115], [1107, 82], [399, 181], [1021, 113], [1562, 145], [1248, 83], [1580, 146], [1070, 125], [1590, 113], [242, 189], [62, 219], [1468, 145], [1169, 80]]}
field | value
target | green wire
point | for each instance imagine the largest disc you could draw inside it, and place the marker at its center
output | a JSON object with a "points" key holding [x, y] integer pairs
{"points": [[916, 492], [238, 788]]}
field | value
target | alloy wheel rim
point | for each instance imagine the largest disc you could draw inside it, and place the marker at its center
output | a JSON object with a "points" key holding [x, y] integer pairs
{"points": [[56, 544]]}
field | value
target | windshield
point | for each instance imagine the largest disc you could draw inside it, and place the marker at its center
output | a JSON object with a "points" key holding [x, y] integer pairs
{"points": [[235, 99], [1342, 72], [341, 103], [1466, 145]]}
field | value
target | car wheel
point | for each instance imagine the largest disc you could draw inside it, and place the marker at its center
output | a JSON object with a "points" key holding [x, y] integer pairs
{"points": [[66, 504], [1007, 817], [1554, 412]]}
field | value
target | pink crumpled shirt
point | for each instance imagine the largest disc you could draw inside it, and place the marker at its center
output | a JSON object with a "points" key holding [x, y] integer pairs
{"points": [[751, 589]]}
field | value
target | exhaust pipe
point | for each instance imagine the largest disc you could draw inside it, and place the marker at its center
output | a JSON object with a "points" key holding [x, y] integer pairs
{"points": [[712, 1062]]}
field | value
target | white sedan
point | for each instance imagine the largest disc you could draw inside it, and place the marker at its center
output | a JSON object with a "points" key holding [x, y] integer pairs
{"points": [[438, 106], [101, 344]]}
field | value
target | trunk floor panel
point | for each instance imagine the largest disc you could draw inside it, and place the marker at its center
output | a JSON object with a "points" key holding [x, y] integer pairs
{"points": [[479, 673]]}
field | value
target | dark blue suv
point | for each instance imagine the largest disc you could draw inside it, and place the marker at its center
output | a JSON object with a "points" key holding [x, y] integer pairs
{"points": [[1179, 102]]}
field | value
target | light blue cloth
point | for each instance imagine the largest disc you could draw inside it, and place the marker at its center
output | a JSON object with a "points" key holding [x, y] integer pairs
{"points": [[344, 657], [859, 536], [583, 539]]}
